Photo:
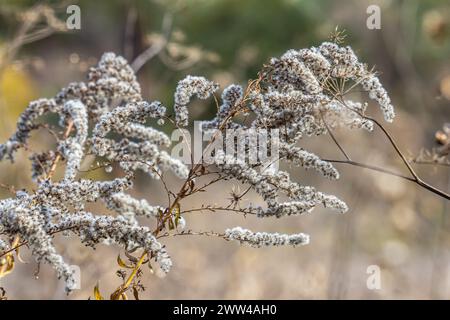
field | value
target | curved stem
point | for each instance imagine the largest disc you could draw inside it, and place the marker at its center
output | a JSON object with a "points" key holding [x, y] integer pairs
{"points": [[371, 167], [415, 178], [435, 190]]}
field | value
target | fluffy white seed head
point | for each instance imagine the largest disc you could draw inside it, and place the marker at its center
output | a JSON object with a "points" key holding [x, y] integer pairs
{"points": [[259, 239]]}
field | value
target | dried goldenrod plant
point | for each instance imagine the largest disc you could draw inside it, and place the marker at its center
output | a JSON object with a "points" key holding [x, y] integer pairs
{"points": [[301, 94]]}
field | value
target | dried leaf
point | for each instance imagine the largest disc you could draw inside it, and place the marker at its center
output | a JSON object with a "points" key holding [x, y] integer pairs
{"points": [[6, 265], [135, 293], [122, 264], [97, 294], [176, 211], [191, 185], [171, 225]]}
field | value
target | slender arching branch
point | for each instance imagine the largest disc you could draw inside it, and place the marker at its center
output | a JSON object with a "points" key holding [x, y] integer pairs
{"points": [[415, 178], [371, 167]]}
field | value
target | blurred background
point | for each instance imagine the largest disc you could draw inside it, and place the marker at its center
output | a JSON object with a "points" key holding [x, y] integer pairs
{"points": [[391, 223]]}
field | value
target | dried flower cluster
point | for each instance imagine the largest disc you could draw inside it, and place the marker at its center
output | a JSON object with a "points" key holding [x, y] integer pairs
{"points": [[296, 96], [259, 239], [106, 117], [111, 100]]}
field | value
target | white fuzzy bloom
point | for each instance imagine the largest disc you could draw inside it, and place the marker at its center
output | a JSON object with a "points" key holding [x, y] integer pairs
{"points": [[231, 98], [269, 184], [130, 207], [377, 92], [27, 123], [345, 65], [73, 148], [22, 218], [144, 154], [188, 87], [111, 80], [241, 171], [77, 193], [3, 246], [78, 113], [259, 239], [122, 115], [41, 163], [301, 157], [290, 70], [26, 219], [290, 208], [314, 60], [73, 153], [347, 114], [333, 202], [94, 229], [232, 95]]}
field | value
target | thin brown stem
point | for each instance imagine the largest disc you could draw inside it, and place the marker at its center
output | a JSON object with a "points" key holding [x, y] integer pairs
{"points": [[334, 139], [194, 233], [430, 163], [371, 167], [214, 209], [415, 178], [156, 48]]}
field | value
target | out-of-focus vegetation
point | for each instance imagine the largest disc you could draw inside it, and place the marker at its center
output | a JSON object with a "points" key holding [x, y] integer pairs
{"points": [[391, 224]]}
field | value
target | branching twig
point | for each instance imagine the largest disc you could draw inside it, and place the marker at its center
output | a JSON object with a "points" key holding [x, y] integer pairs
{"points": [[156, 48]]}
